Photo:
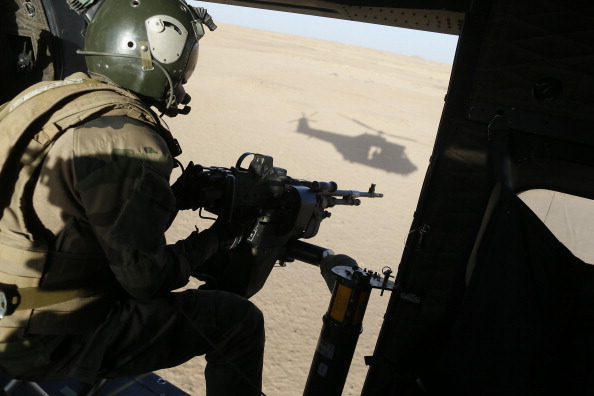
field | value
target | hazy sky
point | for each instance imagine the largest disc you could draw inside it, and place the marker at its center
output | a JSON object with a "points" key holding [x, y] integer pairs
{"points": [[433, 46]]}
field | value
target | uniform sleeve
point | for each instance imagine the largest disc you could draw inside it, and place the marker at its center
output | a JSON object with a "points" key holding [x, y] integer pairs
{"points": [[122, 170]]}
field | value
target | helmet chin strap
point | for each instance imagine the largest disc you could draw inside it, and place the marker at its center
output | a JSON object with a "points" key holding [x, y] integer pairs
{"points": [[171, 108]]}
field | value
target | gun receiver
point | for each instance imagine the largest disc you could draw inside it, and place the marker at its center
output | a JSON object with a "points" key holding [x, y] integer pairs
{"points": [[282, 209]]}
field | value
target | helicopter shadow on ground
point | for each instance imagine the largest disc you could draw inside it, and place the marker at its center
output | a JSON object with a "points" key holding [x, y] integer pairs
{"points": [[370, 149]]}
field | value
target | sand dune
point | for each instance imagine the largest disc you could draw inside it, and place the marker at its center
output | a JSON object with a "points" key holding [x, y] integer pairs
{"points": [[324, 111]]}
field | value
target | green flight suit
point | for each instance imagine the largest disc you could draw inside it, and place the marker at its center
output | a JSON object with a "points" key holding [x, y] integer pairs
{"points": [[102, 192]]}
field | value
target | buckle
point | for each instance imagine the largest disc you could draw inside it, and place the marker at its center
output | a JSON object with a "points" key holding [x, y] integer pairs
{"points": [[3, 304], [9, 299]]}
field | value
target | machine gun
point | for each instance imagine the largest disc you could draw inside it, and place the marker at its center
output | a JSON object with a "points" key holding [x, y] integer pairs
{"points": [[279, 210]]}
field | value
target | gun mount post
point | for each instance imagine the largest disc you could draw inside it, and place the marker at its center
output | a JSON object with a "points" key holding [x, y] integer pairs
{"points": [[342, 324], [307, 252]]}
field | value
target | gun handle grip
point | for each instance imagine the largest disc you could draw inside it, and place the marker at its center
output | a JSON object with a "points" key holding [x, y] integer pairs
{"points": [[229, 202]]}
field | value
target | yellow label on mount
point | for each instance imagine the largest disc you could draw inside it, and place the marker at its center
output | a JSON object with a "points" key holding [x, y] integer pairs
{"points": [[341, 302]]}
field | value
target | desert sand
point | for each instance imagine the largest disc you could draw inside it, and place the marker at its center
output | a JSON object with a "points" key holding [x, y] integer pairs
{"points": [[324, 111]]}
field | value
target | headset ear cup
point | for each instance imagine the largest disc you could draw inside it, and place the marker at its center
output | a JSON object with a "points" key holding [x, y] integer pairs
{"points": [[181, 97], [187, 99]]}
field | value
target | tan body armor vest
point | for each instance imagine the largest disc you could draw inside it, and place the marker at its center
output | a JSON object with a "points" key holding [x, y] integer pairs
{"points": [[31, 275]]}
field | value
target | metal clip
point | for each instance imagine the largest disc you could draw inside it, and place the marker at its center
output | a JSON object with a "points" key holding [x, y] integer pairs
{"points": [[31, 11], [145, 56]]}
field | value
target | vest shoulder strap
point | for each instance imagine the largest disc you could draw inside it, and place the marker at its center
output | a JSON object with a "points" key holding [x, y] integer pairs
{"points": [[55, 106], [31, 122]]}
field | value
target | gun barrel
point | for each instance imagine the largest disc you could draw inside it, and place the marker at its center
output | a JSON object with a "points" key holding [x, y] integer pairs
{"points": [[352, 194]]}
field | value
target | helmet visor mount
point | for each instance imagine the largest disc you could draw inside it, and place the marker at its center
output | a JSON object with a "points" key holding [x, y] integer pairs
{"points": [[167, 38]]}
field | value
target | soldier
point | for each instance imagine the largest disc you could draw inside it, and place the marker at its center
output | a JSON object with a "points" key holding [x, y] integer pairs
{"points": [[85, 272]]}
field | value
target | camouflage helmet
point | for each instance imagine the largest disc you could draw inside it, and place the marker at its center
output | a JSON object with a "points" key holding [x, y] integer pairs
{"points": [[147, 46]]}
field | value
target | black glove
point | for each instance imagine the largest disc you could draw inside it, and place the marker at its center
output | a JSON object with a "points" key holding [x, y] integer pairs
{"points": [[217, 269], [231, 233], [186, 187], [331, 261]]}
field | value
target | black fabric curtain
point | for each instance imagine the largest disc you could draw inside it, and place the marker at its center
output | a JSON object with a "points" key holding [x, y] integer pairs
{"points": [[526, 323]]}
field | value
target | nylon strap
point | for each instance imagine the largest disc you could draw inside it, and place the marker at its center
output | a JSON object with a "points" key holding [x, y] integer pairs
{"points": [[37, 297]]}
